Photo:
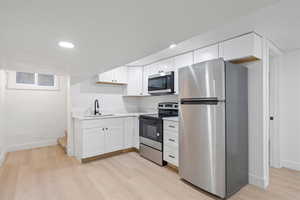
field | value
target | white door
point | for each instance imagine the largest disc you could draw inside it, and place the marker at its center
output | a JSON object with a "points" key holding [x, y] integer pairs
{"points": [[114, 135], [135, 81], [207, 53], [93, 142]]}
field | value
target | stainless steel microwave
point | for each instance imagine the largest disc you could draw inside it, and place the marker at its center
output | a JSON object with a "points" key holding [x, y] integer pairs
{"points": [[162, 83]]}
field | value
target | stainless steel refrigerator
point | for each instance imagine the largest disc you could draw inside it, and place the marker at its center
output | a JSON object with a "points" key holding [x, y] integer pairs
{"points": [[213, 126]]}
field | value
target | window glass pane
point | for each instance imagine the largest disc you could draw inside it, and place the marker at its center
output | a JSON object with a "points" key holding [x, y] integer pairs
{"points": [[45, 80], [25, 78]]}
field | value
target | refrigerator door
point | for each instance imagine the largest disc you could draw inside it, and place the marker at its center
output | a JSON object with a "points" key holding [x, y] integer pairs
{"points": [[202, 144], [203, 80]]}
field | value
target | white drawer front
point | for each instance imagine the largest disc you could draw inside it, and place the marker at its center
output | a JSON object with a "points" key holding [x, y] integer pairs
{"points": [[171, 155], [171, 125], [96, 123], [99, 123], [170, 138]]}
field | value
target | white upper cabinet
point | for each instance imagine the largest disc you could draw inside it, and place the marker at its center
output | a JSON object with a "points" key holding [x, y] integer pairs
{"points": [[135, 81], [115, 76], [165, 66], [120, 75], [242, 49], [206, 53], [161, 66], [181, 61], [146, 73]]}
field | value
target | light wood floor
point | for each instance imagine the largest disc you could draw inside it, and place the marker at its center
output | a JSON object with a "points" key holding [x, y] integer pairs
{"points": [[48, 174]]}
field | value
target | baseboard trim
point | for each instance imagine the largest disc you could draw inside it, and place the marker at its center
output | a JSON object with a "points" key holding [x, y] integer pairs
{"points": [[2, 158], [33, 145], [291, 165], [258, 181]]}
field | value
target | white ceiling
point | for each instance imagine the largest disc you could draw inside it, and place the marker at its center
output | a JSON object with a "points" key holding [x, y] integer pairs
{"points": [[106, 34], [278, 22]]}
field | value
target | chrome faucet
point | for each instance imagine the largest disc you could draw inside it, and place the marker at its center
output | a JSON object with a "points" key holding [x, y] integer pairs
{"points": [[96, 107]]}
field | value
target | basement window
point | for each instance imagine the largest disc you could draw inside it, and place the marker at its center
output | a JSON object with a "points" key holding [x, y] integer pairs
{"points": [[32, 81]]}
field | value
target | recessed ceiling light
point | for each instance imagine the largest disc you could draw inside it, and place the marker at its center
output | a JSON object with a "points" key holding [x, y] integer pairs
{"points": [[172, 46], [65, 44]]}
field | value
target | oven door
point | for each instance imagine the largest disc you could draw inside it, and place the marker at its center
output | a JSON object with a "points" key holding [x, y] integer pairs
{"points": [[161, 83], [151, 132]]}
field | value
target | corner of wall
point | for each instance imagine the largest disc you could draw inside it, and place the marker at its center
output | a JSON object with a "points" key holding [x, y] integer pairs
{"points": [[2, 157], [258, 181]]}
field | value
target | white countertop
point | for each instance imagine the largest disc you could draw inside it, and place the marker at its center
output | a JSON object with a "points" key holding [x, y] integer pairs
{"points": [[114, 115], [174, 119]]}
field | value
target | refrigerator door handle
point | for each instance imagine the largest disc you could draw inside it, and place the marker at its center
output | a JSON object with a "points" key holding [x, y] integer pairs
{"points": [[207, 101]]}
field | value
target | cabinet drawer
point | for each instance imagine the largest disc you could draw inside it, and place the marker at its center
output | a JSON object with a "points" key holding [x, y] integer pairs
{"points": [[99, 123], [170, 138], [171, 155], [171, 126]]}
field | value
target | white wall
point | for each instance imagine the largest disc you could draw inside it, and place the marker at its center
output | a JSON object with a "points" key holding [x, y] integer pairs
{"points": [[2, 143], [289, 109], [110, 98], [150, 104], [34, 117], [255, 123]]}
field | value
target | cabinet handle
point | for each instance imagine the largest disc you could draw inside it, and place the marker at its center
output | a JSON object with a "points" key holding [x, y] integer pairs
{"points": [[171, 156], [171, 126], [172, 140], [157, 134]]}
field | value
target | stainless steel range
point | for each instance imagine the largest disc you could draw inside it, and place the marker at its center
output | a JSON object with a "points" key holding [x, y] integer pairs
{"points": [[151, 132]]}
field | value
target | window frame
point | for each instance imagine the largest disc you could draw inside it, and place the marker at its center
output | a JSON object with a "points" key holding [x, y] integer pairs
{"points": [[12, 82]]}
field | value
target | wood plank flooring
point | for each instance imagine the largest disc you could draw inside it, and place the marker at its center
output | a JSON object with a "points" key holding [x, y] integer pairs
{"points": [[48, 174]]}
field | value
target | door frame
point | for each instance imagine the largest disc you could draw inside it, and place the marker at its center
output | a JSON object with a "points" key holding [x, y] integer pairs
{"points": [[275, 153]]}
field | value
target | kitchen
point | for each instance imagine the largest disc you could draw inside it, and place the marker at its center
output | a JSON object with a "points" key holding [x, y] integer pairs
{"points": [[137, 116]]}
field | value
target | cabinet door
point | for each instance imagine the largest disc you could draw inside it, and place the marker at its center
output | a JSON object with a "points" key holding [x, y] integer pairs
{"points": [[135, 81], [181, 61], [136, 136], [244, 47], [120, 75], [207, 53], [114, 135], [106, 77], [165, 65], [93, 142], [129, 132]]}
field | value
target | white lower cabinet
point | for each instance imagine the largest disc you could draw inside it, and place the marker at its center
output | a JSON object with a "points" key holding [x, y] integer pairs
{"points": [[132, 132], [114, 134], [100, 136], [171, 142], [95, 137]]}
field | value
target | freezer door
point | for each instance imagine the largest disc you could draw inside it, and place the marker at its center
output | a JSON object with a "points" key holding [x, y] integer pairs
{"points": [[202, 144], [203, 80]]}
